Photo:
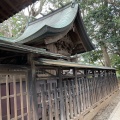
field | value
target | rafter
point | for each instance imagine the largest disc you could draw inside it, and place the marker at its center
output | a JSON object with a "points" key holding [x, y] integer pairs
{"points": [[4, 15], [4, 8], [11, 5]]}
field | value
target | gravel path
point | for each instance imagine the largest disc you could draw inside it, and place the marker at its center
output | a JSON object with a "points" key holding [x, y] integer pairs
{"points": [[104, 114]]}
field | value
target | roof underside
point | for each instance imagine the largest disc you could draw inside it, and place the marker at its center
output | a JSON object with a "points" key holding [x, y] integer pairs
{"points": [[18, 48], [10, 7]]}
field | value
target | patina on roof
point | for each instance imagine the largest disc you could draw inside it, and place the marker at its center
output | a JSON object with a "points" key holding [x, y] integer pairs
{"points": [[52, 24]]}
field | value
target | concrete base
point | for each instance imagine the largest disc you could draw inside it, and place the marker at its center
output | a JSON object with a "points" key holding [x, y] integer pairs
{"points": [[92, 111], [116, 113]]}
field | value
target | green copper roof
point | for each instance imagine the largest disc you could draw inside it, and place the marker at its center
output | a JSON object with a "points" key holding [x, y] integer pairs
{"points": [[54, 24], [51, 23]]}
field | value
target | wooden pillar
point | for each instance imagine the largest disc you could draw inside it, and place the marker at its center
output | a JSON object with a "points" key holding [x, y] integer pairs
{"points": [[77, 94], [32, 87], [62, 111]]}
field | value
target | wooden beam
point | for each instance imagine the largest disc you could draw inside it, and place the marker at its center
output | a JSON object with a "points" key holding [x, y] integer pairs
{"points": [[32, 86], [0, 104], [77, 94], [4, 15], [62, 111], [11, 5], [53, 39], [2, 58], [15, 97], [5, 8], [8, 99], [79, 37]]}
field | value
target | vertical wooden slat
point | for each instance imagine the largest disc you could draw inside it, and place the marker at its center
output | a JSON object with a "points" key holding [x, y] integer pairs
{"points": [[62, 113], [0, 104], [74, 99], [98, 86], [80, 95], [27, 97], [77, 95], [32, 88], [8, 100], [93, 77], [50, 103], [66, 101], [15, 97], [70, 100], [56, 103], [88, 90], [83, 94], [43, 102], [95, 85], [85, 89], [21, 98]]}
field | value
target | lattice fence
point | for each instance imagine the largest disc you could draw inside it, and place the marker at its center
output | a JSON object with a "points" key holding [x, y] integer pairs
{"points": [[80, 92], [14, 103]]}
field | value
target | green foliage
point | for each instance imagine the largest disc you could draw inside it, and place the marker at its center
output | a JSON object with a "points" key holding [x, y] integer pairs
{"points": [[18, 22], [102, 20], [116, 62], [14, 26], [93, 57]]}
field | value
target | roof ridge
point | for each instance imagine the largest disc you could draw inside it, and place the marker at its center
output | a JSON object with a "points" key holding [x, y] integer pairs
{"points": [[51, 13]]}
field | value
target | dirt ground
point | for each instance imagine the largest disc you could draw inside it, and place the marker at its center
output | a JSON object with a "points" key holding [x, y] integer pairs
{"points": [[104, 114]]}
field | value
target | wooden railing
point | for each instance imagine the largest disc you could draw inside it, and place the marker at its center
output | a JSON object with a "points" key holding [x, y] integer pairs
{"points": [[70, 94], [14, 97], [56, 93]]}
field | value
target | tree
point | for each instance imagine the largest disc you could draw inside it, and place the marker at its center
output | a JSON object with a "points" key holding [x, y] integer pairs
{"points": [[14, 25], [102, 22]]}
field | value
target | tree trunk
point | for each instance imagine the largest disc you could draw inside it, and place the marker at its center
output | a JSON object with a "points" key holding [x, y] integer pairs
{"points": [[106, 56], [9, 28]]}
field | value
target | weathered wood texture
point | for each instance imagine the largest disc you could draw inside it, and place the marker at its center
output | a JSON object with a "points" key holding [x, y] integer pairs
{"points": [[73, 93], [13, 95], [62, 93]]}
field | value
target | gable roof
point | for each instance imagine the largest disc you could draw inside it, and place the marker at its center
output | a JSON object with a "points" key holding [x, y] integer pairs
{"points": [[53, 24], [10, 7]]}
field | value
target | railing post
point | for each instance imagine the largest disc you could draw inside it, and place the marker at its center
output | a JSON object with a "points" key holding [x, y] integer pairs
{"points": [[62, 111], [32, 86], [76, 87]]}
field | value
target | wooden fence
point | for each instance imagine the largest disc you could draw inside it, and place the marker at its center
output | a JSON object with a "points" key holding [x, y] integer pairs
{"points": [[56, 93], [69, 94], [14, 100]]}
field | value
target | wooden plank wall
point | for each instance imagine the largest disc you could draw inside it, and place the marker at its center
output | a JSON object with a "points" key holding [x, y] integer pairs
{"points": [[72, 92], [14, 98]]}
